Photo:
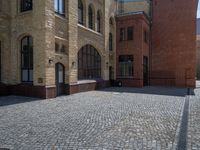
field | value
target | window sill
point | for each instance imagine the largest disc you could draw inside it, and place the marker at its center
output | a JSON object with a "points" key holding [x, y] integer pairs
{"points": [[27, 83], [60, 16], [126, 41], [88, 29], [60, 53], [86, 81], [127, 77], [28, 12]]}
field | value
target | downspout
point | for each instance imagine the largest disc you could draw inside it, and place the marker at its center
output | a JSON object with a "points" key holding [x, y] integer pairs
{"points": [[150, 43]]}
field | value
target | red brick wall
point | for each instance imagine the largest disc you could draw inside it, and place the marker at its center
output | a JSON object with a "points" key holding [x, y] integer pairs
{"points": [[136, 47], [174, 43]]}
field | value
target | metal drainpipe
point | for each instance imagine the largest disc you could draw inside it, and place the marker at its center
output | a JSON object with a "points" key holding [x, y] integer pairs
{"points": [[150, 43]]}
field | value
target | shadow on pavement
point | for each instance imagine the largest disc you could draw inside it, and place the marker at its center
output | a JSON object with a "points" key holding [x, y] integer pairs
{"points": [[153, 90], [12, 100]]}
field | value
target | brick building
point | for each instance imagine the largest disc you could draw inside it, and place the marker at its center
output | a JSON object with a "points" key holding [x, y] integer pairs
{"points": [[54, 47], [198, 49]]}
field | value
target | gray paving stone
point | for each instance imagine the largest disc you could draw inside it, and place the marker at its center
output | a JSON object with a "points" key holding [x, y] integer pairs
{"points": [[194, 121], [133, 118]]}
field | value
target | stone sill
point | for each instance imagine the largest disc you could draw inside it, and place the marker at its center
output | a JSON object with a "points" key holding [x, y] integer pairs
{"points": [[61, 17], [128, 77], [90, 30], [29, 12], [86, 82]]}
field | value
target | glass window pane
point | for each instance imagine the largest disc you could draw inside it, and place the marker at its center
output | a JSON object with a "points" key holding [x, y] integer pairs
{"points": [[27, 59], [56, 5], [90, 64], [25, 75], [30, 75]]}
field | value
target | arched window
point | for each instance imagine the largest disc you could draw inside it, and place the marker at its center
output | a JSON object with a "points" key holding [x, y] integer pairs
{"points": [[90, 18], [98, 21], [27, 59], [80, 12], [26, 5], [110, 42], [89, 63]]}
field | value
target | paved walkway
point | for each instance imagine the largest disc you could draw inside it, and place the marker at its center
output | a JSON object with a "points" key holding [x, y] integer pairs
{"points": [[194, 120], [116, 118]]}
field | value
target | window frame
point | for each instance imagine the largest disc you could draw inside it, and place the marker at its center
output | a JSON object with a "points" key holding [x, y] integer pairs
{"points": [[90, 17], [122, 34], [29, 54], [58, 10], [89, 63], [99, 21], [127, 63], [23, 7], [130, 33], [57, 46], [80, 12], [110, 41]]}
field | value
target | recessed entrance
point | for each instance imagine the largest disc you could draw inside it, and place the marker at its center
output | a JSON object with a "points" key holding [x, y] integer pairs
{"points": [[60, 80]]}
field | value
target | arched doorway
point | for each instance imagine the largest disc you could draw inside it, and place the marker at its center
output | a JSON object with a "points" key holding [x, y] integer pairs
{"points": [[60, 79], [89, 63]]}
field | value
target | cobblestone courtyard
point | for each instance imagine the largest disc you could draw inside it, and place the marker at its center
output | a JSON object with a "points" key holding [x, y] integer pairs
{"points": [[114, 118]]}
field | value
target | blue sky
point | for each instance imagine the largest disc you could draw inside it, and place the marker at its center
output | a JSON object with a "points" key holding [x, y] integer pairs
{"points": [[198, 13]]}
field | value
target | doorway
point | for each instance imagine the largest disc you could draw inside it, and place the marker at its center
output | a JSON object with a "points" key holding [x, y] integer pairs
{"points": [[145, 71], [60, 80]]}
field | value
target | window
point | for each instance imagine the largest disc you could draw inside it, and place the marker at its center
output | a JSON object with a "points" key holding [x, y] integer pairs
{"points": [[126, 65], [110, 42], [90, 18], [62, 50], [98, 22], [122, 34], [130, 33], [80, 12], [146, 37], [1, 4], [89, 63], [56, 47], [111, 21], [26, 5], [59, 6], [27, 59]]}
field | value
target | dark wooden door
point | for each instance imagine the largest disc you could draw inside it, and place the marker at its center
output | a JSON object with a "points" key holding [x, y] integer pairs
{"points": [[60, 80]]}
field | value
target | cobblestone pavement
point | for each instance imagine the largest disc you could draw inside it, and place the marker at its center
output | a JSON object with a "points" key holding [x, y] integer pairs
{"points": [[194, 120], [139, 119]]}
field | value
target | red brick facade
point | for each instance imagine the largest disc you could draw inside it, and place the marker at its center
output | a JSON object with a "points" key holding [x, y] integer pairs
{"points": [[173, 50], [137, 47], [172, 44]]}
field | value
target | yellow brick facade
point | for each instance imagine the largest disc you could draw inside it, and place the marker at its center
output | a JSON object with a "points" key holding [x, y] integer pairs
{"points": [[47, 28]]}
